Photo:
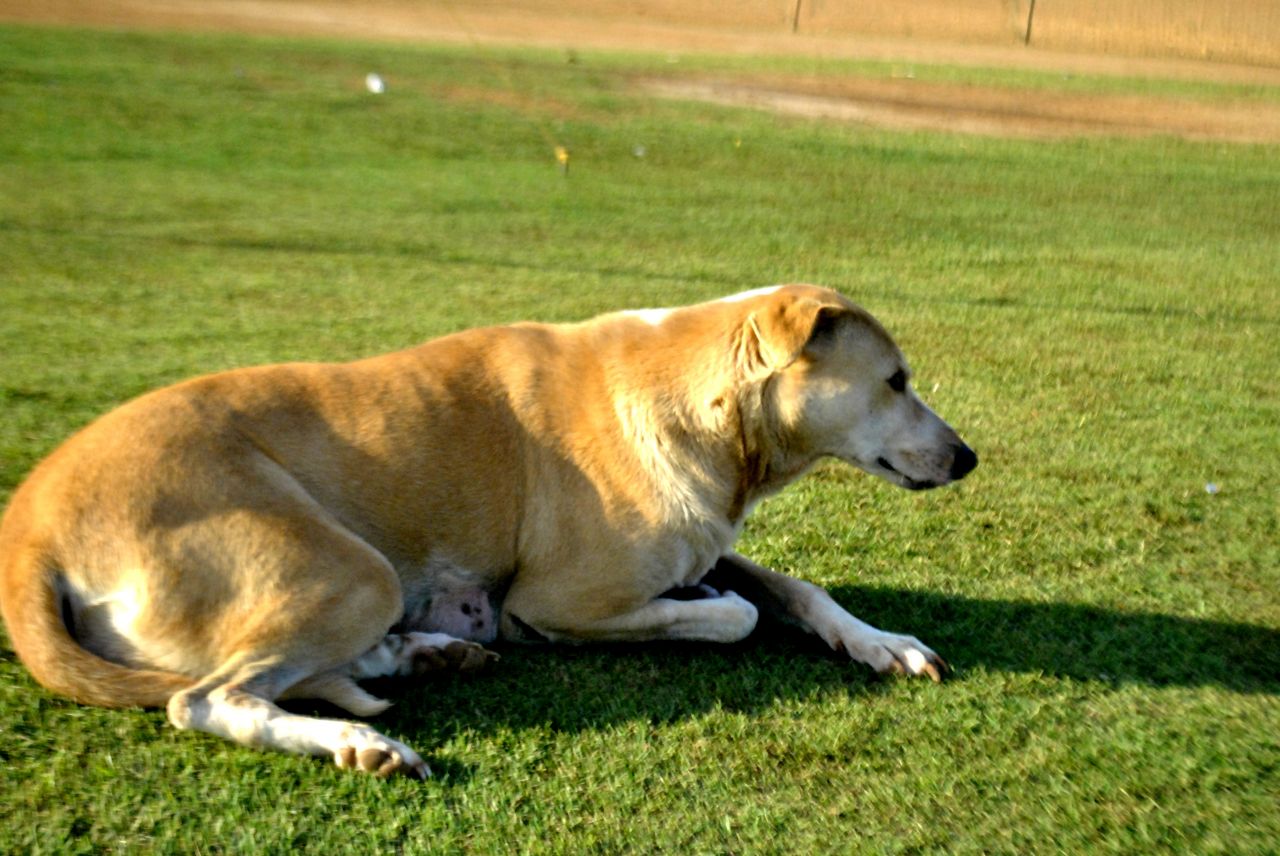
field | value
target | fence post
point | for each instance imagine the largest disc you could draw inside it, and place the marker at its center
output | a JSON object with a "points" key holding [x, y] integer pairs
{"points": [[1026, 39]]}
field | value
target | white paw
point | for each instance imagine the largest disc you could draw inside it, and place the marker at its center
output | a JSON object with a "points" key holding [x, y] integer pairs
{"points": [[367, 750], [735, 617], [896, 654], [887, 653]]}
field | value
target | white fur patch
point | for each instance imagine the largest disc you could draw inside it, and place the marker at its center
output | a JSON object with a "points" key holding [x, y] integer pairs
{"points": [[915, 660], [652, 317], [105, 624], [123, 608], [747, 295]]}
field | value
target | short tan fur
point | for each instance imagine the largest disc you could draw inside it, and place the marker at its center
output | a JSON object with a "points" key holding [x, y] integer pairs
{"points": [[259, 534]]}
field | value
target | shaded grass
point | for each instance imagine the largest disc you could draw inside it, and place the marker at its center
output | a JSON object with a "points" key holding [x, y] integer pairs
{"points": [[1099, 318]]}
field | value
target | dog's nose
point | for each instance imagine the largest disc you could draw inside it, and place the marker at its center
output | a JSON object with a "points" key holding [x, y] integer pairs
{"points": [[963, 462]]}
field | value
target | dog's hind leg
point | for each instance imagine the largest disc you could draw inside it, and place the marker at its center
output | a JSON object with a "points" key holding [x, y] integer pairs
{"points": [[340, 689], [310, 597], [235, 704], [398, 654]]}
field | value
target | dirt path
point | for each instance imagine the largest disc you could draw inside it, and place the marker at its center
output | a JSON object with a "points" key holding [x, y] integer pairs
{"points": [[894, 103], [912, 105]]}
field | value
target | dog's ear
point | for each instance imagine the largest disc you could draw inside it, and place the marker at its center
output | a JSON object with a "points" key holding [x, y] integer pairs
{"points": [[780, 333]]}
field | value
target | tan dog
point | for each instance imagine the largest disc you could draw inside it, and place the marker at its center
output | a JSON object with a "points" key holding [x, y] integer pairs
{"points": [[257, 534]]}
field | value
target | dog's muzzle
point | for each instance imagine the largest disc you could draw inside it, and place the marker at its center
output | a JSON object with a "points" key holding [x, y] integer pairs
{"points": [[963, 460]]}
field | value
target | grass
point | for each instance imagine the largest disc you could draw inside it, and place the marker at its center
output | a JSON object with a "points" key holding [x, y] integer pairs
{"points": [[1100, 319]]}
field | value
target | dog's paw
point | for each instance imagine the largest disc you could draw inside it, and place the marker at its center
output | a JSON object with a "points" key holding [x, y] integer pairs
{"points": [[907, 655], [368, 751], [738, 616], [436, 652], [894, 654]]}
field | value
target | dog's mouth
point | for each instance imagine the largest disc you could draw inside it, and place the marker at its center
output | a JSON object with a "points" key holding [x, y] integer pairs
{"points": [[903, 479]]}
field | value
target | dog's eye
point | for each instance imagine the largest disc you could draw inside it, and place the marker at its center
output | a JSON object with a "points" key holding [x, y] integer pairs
{"points": [[898, 383]]}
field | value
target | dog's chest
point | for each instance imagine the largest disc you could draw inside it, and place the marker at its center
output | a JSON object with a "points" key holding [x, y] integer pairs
{"points": [[694, 550]]}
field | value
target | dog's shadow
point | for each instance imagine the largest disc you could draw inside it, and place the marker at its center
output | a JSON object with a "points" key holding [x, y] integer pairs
{"points": [[593, 687]]}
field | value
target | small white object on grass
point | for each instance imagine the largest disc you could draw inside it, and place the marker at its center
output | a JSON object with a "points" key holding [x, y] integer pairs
{"points": [[1211, 488], [374, 83], [639, 151]]}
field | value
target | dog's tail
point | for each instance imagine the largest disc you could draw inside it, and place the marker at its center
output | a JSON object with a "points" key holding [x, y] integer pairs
{"points": [[33, 608]]}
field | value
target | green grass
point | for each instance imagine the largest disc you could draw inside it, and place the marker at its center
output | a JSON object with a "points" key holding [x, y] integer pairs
{"points": [[1101, 319]]}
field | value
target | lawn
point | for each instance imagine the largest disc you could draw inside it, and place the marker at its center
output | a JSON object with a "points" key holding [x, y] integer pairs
{"points": [[1100, 319]]}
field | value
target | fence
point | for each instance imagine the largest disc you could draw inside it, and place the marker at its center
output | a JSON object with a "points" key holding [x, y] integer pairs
{"points": [[1246, 31]]}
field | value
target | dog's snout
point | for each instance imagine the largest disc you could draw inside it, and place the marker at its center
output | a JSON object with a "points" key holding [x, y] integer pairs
{"points": [[963, 463]]}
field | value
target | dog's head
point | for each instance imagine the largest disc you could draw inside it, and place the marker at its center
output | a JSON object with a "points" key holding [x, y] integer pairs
{"points": [[838, 385]]}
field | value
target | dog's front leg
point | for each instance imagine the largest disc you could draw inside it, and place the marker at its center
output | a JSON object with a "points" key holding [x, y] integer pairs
{"points": [[813, 609], [723, 618]]}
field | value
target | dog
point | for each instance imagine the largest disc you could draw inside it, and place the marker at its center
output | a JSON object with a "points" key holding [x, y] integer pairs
{"points": [[283, 531]]}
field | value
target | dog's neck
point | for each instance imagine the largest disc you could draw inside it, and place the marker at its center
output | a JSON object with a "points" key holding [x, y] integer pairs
{"points": [[765, 459], [707, 434]]}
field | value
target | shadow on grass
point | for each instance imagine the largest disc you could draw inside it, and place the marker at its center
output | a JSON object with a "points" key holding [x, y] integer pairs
{"points": [[1084, 643], [573, 688]]}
